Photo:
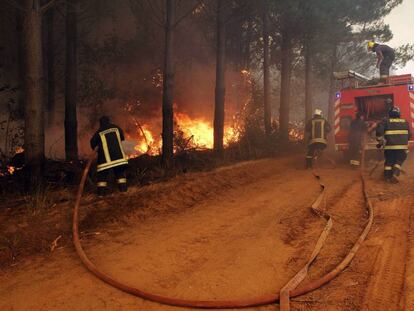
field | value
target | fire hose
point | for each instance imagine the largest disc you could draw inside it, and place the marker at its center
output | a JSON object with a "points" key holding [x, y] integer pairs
{"points": [[292, 289]]}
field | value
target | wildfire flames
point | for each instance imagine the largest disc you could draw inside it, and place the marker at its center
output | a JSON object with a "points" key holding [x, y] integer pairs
{"points": [[10, 170], [295, 134], [198, 133]]}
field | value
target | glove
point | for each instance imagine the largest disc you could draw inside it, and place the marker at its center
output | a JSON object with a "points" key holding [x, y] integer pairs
{"points": [[380, 141]]}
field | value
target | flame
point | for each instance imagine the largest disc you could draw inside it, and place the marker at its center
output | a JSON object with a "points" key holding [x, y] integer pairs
{"points": [[198, 131], [19, 150], [147, 142], [11, 170], [296, 131], [202, 132]]}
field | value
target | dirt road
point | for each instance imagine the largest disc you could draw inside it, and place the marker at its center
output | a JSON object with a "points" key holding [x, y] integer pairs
{"points": [[240, 231]]}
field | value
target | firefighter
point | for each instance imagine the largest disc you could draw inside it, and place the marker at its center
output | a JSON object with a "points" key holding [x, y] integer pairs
{"points": [[385, 57], [393, 134], [111, 155], [356, 134], [316, 129]]}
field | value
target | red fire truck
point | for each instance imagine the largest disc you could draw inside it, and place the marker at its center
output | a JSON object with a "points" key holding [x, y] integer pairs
{"points": [[373, 100]]}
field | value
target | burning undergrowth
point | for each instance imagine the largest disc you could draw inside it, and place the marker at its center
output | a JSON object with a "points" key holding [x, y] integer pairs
{"points": [[189, 134]]}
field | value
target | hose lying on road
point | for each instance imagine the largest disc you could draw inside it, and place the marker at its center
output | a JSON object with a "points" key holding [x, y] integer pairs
{"points": [[290, 289], [211, 304], [285, 292]]}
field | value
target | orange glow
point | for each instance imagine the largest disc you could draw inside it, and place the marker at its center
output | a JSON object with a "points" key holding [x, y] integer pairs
{"points": [[147, 142], [202, 132], [19, 150], [198, 131], [11, 169]]}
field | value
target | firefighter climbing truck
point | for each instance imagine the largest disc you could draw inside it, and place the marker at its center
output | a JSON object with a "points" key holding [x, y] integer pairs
{"points": [[373, 101]]}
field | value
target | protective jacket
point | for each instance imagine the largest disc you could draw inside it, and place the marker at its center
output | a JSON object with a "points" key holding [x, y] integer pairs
{"points": [[110, 153], [396, 132], [317, 128], [386, 51]]}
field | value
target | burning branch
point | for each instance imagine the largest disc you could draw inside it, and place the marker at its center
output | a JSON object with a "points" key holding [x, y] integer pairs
{"points": [[143, 134]]}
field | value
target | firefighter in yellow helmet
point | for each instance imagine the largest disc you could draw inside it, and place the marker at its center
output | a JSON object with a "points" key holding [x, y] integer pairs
{"points": [[385, 57], [316, 129], [111, 155]]}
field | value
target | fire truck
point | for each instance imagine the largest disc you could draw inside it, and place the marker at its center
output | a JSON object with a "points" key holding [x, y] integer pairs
{"points": [[360, 94]]}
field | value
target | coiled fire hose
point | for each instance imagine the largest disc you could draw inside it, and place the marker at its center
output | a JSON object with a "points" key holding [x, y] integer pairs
{"points": [[291, 290]]}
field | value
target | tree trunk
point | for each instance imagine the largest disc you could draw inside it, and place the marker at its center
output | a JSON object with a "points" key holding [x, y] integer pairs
{"points": [[50, 57], [308, 80], [71, 124], [21, 54], [220, 91], [285, 86], [168, 89], [247, 44], [266, 71], [34, 114]]}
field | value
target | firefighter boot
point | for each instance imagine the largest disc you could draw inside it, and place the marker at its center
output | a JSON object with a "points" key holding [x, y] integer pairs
{"points": [[396, 170], [122, 184], [102, 189], [388, 173]]}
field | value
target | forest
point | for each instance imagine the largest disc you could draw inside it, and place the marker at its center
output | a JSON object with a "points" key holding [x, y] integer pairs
{"points": [[241, 76], [219, 154]]}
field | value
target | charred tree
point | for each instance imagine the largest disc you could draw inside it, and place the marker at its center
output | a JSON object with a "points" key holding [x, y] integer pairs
{"points": [[308, 78], [286, 69], [168, 89], [266, 71], [50, 60], [71, 124], [220, 90], [34, 87]]}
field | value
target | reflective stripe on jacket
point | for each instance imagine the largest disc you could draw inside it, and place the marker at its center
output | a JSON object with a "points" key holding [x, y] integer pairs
{"points": [[396, 132], [317, 129], [110, 152]]}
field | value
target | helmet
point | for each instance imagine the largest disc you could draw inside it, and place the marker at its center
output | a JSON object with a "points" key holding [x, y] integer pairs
{"points": [[394, 112], [370, 45], [318, 112], [104, 120]]}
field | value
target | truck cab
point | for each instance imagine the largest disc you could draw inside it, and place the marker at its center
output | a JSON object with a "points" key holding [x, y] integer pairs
{"points": [[373, 101]]}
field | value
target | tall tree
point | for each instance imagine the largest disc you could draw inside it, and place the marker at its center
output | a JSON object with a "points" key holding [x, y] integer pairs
{"points": [[285, 73], [71, 124], [31, 35], [168, 88], [266, 68], [50, 60], [308, 77], [34, 101], [220, 90]]}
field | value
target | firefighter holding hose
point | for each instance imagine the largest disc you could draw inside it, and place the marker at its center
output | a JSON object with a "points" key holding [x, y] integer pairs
{"points": [[393, 134], [316, 129], [111, 155]]}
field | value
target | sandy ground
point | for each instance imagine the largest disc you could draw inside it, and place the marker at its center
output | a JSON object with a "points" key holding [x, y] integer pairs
{"points": [[240, 231]]}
